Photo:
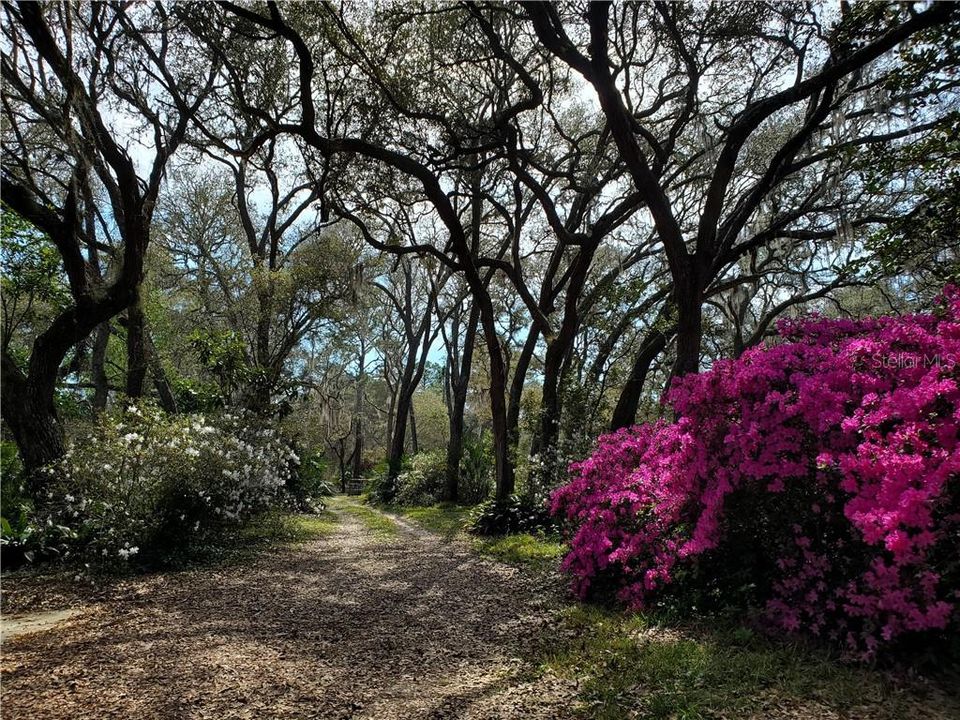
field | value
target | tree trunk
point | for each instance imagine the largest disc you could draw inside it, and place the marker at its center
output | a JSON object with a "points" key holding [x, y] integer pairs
{"points": [[27, 404], [98, 371], [545, 440], [505, 480], [689, 332], [341, 452], [399, 440], [498, 406], [557, 350], [262, 383], [391, 415], [168, 400], [136, 351], [455, 446], [357, 458], [39, 435], [30, 414], [419, 346], [625, 414], [501, 443], [414, 442], [459, 387], [451, 486], [516, 386]]}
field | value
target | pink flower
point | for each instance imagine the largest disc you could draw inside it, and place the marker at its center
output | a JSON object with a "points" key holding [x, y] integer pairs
{"points": [[856, 423]]}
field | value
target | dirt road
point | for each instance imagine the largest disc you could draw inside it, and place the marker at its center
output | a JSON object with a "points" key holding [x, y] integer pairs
{"points": [[352, 625]]}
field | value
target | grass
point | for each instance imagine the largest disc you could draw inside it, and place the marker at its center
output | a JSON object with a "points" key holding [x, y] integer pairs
{"points": [[629, 665], [523, 549], [270, 530], [378, 523], [288, 528], [450, 521]]}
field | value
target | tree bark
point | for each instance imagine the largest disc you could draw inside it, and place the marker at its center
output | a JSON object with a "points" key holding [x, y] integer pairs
{"points": [[28, 398], [30, 414], [516, 386], [625, 414], [391, 417], [501, 443], [136, 352], [459, 385], [689, 303], [557, 350], [503, 463], [399, 440], [168, 400], [98, 371], [263, 385], [357, 457], [414, 441]]}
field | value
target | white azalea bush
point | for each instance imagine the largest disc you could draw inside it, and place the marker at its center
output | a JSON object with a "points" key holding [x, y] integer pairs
{"points": [[141, 484], [422, 482]]}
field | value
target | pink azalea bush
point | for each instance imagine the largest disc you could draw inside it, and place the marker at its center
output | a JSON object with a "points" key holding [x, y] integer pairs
{"points": [[817, 478]]}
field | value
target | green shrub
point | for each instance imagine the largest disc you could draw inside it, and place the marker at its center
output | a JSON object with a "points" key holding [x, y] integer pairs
{"points": [[11, 469], [194, 396], [424, 479], [381, 467], [476, 469], [307, 485], [514, 515], [16, 530], [381, 489]]}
